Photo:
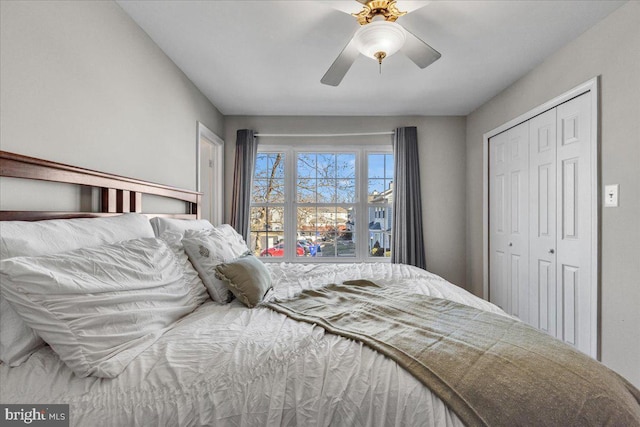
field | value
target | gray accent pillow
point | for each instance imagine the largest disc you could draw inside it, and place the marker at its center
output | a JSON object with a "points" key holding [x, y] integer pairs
{"points": [[248, 279], [206, 249]]}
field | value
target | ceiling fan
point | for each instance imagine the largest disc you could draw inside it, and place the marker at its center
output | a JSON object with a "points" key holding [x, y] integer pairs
{"points": [[379, 37]]}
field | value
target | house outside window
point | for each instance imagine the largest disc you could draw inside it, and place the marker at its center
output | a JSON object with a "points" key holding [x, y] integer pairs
{"points": [[329, 205]]}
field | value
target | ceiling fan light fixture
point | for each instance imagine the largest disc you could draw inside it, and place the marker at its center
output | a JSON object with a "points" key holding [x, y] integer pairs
{"points": [[379, 39]]}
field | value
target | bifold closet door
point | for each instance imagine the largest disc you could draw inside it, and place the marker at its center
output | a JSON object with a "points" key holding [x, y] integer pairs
{"points": [[509, 220], [576, 286], [542, 224]]}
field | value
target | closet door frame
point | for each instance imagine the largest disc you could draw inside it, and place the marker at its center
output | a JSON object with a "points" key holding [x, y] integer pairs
{"points": [[593, 86]]}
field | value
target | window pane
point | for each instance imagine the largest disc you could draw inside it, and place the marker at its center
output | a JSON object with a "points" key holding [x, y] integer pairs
{"points": [[275, 191], [387, 195], [327, 246], [326, 226], [346, 165], [258, 219], [267, 231], [308, 236], [375, 191], [268, 191], [307, 221], [259, 194], [306, 190], [345, 238], [326, 220], [269, 165], [376, 166], [276, 166], [326, 191], [261, 165], [326, 166], [388, 166], [346, 191], [306, 165], [380, 220]]}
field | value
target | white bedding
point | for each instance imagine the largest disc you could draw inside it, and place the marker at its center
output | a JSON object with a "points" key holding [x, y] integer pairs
{"points": [[227, 365]]}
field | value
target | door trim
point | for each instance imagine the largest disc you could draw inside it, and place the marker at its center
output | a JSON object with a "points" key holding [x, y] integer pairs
{"points": [[593, 86]]}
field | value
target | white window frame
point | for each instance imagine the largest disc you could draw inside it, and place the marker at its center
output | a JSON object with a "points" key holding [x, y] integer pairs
{"points": [[361, 203]]}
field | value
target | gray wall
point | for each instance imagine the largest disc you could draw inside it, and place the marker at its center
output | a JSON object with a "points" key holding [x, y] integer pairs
{"points": [[442, 173], [611, 49], [82, 84]]}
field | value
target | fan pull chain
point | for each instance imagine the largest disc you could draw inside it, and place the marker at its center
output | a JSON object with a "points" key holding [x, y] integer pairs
{"points": [[380, 56]]}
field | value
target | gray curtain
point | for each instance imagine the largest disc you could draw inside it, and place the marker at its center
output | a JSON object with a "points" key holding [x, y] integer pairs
{"points": [[246, 151], [408, 244]]}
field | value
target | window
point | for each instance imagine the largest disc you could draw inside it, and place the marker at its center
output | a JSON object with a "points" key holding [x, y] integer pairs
{"points": [[268, 205], [325, 203], [379, 203], [306, 204]]}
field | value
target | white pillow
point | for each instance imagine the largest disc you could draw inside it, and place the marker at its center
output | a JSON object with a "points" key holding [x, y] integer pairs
{"points": [[234, 239], [23, 238], [207, 249], [98, 308], [174, 241], [160, 225]]}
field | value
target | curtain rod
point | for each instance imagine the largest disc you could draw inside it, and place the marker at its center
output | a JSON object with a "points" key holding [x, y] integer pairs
{"points": [[319, 135]]}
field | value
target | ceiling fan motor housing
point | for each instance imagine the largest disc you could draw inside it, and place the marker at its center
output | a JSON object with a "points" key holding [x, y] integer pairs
{"points": [[379, 8]]}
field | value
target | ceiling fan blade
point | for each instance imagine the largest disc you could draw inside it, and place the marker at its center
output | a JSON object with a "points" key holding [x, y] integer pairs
{"points": [[341, 65], [418, 51]]}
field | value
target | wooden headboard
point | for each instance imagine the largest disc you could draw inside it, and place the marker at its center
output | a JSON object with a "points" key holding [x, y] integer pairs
{"points": [[118, 194]]}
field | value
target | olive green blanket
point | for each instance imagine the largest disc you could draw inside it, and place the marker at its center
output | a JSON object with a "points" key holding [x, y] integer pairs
{"points": [[490, 369]]}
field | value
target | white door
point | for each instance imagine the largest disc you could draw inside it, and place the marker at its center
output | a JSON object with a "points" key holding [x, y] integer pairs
{"points": [[206, 178], [542, 224], [543, 235], [576, 287], [498, 225], [210, 174], [509, 220]]}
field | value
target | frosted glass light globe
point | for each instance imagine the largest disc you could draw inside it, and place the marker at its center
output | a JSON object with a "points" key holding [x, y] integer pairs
{"points": [[379, 36]]}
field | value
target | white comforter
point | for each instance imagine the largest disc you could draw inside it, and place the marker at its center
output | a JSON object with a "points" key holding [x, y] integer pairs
{"points": [[227, 365]]}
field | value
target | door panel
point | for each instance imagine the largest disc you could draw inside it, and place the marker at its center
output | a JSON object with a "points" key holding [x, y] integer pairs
{"points": [[569, 202], [574, 241], [508, 220], [498, 292], [206, 179], [542, 224], [545, 286], [518, 237], [570, 284]]}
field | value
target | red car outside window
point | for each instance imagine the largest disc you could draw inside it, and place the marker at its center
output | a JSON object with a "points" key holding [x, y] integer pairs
{"points": [[278, 250]]}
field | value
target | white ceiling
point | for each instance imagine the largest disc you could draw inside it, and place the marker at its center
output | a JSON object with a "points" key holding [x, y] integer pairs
{"points": [[267, 57]]}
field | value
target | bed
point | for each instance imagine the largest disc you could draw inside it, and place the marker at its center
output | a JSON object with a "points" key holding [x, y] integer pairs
{"points": [[214, 362]]}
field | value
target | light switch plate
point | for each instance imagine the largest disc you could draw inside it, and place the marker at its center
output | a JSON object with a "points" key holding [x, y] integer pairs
{"points": [[611, 196]]}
